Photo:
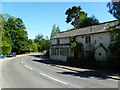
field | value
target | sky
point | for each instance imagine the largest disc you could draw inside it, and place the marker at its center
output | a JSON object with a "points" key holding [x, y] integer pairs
{"points": [[39, 17]]}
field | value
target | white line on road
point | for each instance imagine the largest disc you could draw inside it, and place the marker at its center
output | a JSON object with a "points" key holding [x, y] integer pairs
{"points": [[28, 67], [21, 62], [53, 78]]}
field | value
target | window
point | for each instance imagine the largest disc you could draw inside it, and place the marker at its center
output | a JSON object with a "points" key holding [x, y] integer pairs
{"points": [[87, 39], [60, 51], [65, 51], [58, 41], [57, 51], [53, 51]]}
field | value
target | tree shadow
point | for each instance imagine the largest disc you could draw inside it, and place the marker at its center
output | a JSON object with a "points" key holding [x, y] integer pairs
{"points": [[86, 74], [82, 74]]}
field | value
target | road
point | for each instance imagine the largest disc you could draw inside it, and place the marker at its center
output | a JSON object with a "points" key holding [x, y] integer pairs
{"points": [[25, 72]]}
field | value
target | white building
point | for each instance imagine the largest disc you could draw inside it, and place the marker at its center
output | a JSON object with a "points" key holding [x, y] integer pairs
{"points": [[94, 38]]}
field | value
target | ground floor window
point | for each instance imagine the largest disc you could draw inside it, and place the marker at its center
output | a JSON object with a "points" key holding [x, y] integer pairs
{"points": [[53, 51], [60, 51], [65, 51]]}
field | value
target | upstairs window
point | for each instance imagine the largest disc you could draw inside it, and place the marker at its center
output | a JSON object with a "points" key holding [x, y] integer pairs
{"points": [[58, 41], [87, 39]]}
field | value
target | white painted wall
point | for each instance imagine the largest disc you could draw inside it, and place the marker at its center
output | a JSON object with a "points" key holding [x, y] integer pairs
{"points": [[62, 41], [101, 57], [103, 38], [65, 40], [58, 58], [80, 39], [53, 41]]}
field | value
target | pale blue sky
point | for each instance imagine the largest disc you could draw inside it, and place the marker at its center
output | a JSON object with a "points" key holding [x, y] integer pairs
{"points": [[39, 17]]}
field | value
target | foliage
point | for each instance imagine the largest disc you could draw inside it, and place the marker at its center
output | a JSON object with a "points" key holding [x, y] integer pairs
{"points": [[14, 30], [74, 14], [6, 47], [75, 46], [87, 21], [114, 9], [55, 30], [79, 18], [43, 43]]}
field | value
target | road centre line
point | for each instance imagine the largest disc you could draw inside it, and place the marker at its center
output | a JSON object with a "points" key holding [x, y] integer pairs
{"points": [[21, 62], [53, 78], [28, 67]]}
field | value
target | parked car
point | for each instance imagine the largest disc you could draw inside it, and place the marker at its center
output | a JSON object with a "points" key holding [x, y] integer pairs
{"points": [[13, 54], [2, 56]]}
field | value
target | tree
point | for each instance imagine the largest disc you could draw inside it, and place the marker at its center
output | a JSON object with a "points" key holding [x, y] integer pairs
{"points": [[87, 21], [114, 9], [79, 18], [15, 31], [55, 31], [74, 14], [43, 43], [5, 43]]}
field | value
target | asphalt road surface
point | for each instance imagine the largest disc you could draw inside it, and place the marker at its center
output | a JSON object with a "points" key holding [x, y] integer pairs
{"points": [[27, 72]]}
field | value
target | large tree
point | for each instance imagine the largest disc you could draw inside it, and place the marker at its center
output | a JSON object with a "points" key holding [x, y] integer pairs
{"points": [[5, 43], [15, 30], [79, 18]]}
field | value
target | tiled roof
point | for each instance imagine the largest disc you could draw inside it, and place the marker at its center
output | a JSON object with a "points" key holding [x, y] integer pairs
{"points": [[86, 30]]}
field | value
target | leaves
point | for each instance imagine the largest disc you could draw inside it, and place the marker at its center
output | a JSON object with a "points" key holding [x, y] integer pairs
{"points": [[79, 18], [55, 31], [114, 9], [43, 43]]}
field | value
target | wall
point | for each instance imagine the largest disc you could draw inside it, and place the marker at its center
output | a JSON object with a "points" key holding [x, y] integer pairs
{"points": [[62, 41], [58, 58], [103, 38], [96, 39], [102, 56]]}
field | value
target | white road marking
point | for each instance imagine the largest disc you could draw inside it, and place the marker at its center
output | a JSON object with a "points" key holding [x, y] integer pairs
{"points": [[53, 78], [28, 67], [21, 62]]}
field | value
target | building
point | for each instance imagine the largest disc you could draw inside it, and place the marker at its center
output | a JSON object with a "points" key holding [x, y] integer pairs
{"points": [[94, 38]]}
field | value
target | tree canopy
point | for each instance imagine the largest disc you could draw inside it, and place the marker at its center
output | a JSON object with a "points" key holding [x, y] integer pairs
{"points": [[43, 42], [55, 30], [79, 18], [114, 9]]}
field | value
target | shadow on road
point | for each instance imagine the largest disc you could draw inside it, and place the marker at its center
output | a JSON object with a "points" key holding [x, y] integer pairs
{"points": [[83, 74], [86, 74]]}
